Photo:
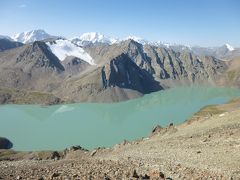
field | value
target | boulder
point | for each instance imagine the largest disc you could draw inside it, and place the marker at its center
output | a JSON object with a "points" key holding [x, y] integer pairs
{"points": [[170, 125], [125, 142], [72, 149], [75, 148], [55, 155], [156, 129], [5, 143], [134, 174], [157, 175], [93, 152]]}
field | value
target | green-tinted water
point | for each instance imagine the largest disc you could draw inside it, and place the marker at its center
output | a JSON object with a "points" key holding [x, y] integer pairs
{"points": [[33, 127]]}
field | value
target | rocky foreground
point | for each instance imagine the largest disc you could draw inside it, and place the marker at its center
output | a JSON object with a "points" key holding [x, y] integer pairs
{"points": [[205, 147]]}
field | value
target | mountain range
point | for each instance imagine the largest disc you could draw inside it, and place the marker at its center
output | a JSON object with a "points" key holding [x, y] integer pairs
{"points": [[97, 68], [86, 39]]}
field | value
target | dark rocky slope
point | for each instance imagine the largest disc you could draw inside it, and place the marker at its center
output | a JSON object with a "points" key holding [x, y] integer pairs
{"points": [[6, 44], [168, 67]]}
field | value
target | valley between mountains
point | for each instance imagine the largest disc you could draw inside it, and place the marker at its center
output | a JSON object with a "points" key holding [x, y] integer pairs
{"points": [[95, 68], [39, 68]]}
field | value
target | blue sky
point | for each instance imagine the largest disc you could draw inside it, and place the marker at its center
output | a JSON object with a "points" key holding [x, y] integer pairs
{"points": [[192, 22]]}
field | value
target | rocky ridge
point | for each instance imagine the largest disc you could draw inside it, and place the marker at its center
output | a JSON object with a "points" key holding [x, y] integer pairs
{"points": [[121, 71]]}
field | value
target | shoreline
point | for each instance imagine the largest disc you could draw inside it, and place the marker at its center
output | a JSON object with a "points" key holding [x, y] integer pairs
{"points": [[177, 152], [208, 110], [193, 117], [11, 96]]}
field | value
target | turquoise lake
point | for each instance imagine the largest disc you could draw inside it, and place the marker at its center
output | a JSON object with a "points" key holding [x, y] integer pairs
{"points": [[91, 125]]}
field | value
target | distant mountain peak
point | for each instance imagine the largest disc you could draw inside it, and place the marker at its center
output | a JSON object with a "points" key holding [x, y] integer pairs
{"points": [[229, 47], [137, 39], [92, 38], [96, 37], [31, 36], [6, 37]]}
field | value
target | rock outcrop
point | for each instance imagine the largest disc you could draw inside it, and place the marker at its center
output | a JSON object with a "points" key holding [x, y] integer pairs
{"points": [[5, 143]]}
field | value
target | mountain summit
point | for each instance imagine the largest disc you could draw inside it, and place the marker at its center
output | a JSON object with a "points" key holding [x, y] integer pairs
{"points": [[92, 38], [31, 36], [229, 47], [75, 46]]}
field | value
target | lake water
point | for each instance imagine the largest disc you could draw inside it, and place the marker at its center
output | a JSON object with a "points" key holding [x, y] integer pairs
{"points": [[91, 125]]}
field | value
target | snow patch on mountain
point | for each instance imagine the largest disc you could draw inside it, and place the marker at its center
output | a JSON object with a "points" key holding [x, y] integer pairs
{"points": [[229, 47], [31, 36], [63, 48]]}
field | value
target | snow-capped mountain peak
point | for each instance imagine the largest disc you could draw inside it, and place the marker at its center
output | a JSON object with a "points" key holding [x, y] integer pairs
{"points": [[74, 47], [229, 47], [93, 37], [137, 39], [31, 36]]}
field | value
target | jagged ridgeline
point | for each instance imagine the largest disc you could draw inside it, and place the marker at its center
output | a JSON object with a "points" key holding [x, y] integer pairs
{"points": [[103, 70]]}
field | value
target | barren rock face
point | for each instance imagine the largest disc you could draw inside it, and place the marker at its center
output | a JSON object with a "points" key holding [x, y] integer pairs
{"points": [[122, 71]]}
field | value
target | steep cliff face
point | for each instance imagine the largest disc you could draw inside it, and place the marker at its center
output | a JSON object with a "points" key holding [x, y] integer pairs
{"points": [[172, 68], [123, 72], [167, 67], [118, 79]]}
